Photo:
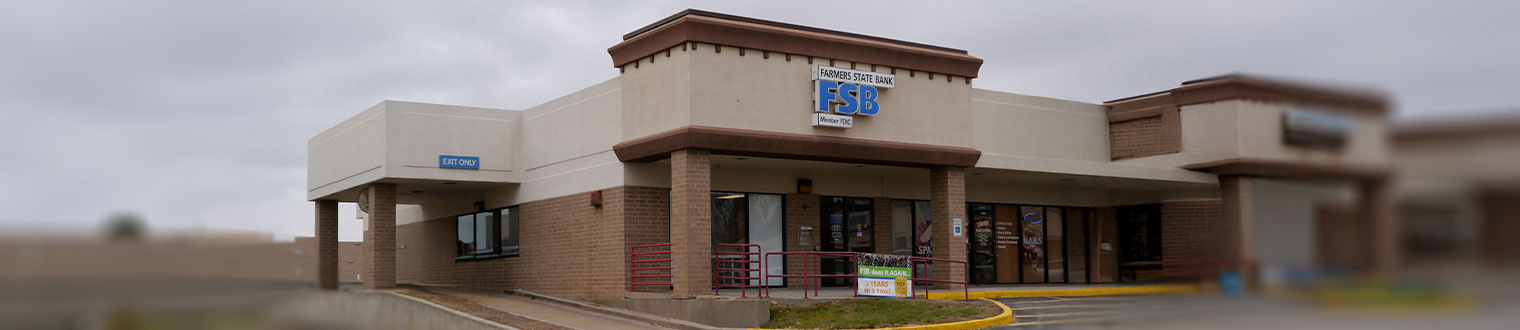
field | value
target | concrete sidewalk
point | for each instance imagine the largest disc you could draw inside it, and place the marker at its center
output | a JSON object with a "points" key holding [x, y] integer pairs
{"points": [[543, 311]]}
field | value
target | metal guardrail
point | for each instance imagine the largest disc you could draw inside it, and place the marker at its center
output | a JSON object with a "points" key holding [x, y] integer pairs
{"points": [[812, 270], [634, 263], [965, 283], [739, 262]]}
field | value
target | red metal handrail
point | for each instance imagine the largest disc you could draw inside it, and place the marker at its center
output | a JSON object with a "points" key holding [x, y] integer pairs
{"points": [[816, 265], [741, 265], [965, 283], [812, 265], [633, 266]]}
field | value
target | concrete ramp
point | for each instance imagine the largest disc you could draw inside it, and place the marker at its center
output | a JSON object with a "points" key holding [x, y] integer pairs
{"points": [[372, 310]]}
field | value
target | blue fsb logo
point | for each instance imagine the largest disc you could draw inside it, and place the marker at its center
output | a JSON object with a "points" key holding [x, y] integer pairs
{"points": [[847, 98]]}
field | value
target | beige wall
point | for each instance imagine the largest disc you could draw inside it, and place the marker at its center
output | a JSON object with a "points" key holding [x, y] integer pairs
{"points": [[565, 148], [1457, 166], [417, 133], [657, 95], [347, 155], [753, 92], [402, 140], [1250, 129], [1037, 134]]}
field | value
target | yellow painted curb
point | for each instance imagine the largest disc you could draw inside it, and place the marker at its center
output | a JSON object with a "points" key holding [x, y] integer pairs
{"points": [[1140, 289], [1002, 318]]}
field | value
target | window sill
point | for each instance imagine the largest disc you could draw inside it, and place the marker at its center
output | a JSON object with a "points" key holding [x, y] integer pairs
{"points": [[485, 256]]}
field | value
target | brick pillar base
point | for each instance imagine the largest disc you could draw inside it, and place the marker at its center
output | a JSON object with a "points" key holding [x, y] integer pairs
{"points": [[380, 240], [327, 244], [947, 202], [1378, 204], [691, 221], [1236, 231]]}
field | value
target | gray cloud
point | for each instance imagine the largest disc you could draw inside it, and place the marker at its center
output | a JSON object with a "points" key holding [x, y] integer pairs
{"points": [[198, 113]]}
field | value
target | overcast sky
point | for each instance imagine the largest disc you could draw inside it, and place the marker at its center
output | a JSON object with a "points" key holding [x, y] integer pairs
{"points": [[197, 115]]}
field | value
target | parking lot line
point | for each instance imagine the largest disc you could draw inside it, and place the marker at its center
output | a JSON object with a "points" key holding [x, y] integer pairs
{"points": [[1051, 306], [1056, 314]]}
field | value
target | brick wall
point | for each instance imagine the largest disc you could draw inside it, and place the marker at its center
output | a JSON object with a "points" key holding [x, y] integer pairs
{"points": [[569, 248], [882, 225], [1148, 136], [1191, 238], [801, 210], [350, 258], [646, 212]]}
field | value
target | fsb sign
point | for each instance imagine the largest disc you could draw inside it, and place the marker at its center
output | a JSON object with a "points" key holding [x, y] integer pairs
{"points": [[840, 93]]}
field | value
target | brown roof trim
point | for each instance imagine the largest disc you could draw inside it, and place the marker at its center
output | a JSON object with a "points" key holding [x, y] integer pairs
{"points": [[1258, 167], [744, 32], [697, 12], [1238, 86], [1458, 130], [731, 141]]}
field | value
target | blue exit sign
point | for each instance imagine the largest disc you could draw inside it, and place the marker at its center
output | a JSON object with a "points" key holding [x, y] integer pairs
{"points": [[464, 162]]}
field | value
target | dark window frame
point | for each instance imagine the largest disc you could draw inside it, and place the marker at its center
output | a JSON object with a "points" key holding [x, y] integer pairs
{"points": [[494, 226]]}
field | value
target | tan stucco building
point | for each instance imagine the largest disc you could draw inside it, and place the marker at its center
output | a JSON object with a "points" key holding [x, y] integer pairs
{"points": [[726, 129]]}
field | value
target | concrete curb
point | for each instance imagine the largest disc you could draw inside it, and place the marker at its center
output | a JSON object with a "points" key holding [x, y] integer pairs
{"points": [[618, 312], [1140, 289], [1005, 317]]}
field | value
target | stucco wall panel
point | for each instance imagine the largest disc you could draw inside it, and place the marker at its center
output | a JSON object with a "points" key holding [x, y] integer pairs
{"points": [[773, 94]]}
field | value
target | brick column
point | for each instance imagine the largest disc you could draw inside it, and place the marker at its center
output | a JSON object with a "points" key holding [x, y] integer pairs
{"points": [[947, 201], [380, 240], [1103, 228], [327, 244], [1236, 231], [691, 221], [1377, 202]]}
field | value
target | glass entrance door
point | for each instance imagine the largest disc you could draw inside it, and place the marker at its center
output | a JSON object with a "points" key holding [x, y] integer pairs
{"points": [[846, 223]]}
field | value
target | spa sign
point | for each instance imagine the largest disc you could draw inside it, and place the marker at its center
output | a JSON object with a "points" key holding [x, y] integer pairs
{"points": [[883, 275], [839, 94]]}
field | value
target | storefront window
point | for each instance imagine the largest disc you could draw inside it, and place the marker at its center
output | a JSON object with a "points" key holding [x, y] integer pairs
{"points": [[902, 227], [487, 234], [1076, 245], [483, 231], [1032, 219], [983, 253], [1055, 245], [1026, 244], [749, 218], [466, 235]]}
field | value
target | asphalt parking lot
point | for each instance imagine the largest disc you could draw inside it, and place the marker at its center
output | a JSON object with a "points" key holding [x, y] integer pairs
{"points": [[1204, 311]]}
